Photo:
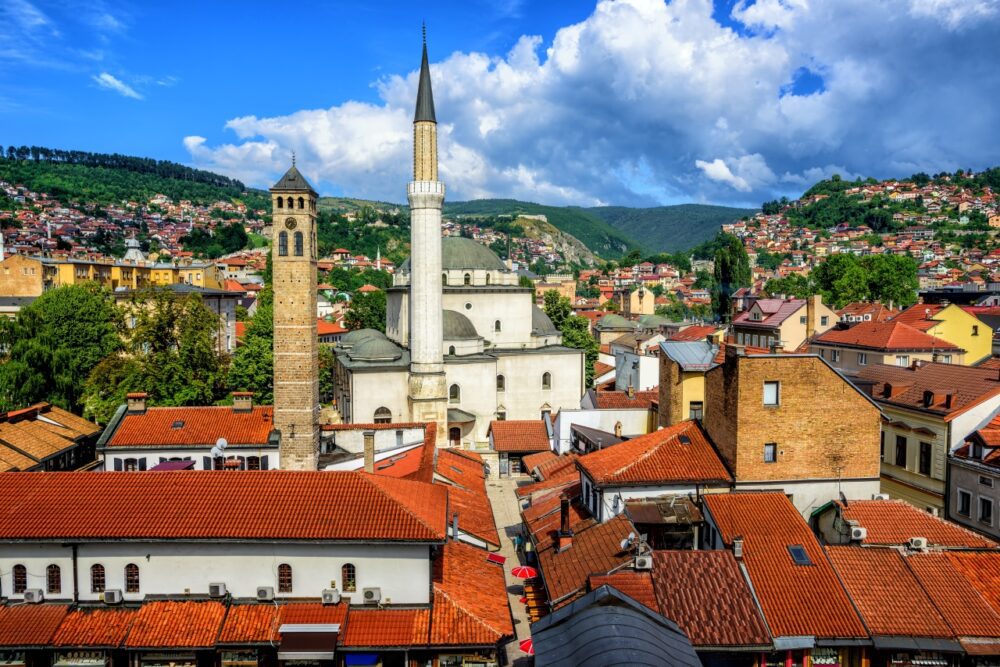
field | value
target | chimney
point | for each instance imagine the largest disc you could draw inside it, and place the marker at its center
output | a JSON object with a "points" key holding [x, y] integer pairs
{"points": [[738, 547], [777, 348], [137, 402], [630, 391], [618, 429], [735, 350], [369, 451], [564, 540], [812, 306], [242, 401]]}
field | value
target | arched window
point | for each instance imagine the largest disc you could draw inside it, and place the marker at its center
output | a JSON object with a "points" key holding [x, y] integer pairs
{"points": [[53, 579], [546, 380], [487, 279], [298, 244], [97, 580], [280, 203], [496, 326], [302, 202], [284, 578], [444, 278], [467, 279], [131, 578], [383, 416], [454, 394], [348, 578], [501, 383], [455, 436], [451, 350], [20, 578], [283, 244]]}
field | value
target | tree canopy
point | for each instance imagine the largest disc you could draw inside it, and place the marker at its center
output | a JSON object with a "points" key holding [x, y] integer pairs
{"points": [[731, 272], [367, 311], [845, 278]]}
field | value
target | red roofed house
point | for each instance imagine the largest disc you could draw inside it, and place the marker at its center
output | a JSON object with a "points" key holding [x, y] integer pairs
{"points": [[974, 481], [788, 323], [953, 324], [850, 349], [515, 439]]}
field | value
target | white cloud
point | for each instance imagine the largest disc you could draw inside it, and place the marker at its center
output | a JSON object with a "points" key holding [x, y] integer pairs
{"points": [[105, 80], [646, 101]]}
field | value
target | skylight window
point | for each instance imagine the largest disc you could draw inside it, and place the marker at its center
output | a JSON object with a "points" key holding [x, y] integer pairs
{"points": [[799, 555], [178, 424]]}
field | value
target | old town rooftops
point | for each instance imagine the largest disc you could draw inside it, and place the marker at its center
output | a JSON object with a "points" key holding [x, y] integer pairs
{"points": [[191, 426], [945, 390], [891, 336], [259, 505], [894, 522]]}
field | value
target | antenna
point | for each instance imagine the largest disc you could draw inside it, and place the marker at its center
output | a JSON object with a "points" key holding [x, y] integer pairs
{"points": [[423, 31], [293, 158]]}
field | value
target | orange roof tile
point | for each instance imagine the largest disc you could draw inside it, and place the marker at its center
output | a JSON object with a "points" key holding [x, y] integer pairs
{"points": [[456, 466], [618, 400], [403, 464], [600, 368], [324, 328], [797, 599], [532, 460], [29, 625], [386, 627], [543, 517], [475, 514], [550, 469], [595, 550], [894, 522], [967, 386], [261, 505], [886, 594], [565, 477], [891, 336], [250, 624], [694, 333], [168, 624], [678, 453], [524, 435], [982, 570], [97, 627], [707, 596], [470, 601], [967, 612], [920, 316], [159, 427], [636, 585]]}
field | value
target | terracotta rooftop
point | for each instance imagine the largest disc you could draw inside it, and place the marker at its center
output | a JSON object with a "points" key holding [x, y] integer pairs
{"points": [[164, 427], [565, 477], [878, 312], [695, 332], [892, 336], [920, 316], [386, 628], [543, 517], [600, 368], [532, 460], [677, 454], [524, 435], [595, 550], [796, 599], [475, 514], [29, 625], [550, 469], [982, 570], [636, 585], [470, 602], [169, 624], [906, 387], [97, 628], [707, 596], [967, 612], [774, 312], [262, 505], [894, 522], [618, 400]]}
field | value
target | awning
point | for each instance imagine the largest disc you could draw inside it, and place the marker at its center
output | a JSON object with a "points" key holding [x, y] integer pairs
{"points": [[901, 643], [308, 641], [457, 416], [361, 658], [794, 643]]}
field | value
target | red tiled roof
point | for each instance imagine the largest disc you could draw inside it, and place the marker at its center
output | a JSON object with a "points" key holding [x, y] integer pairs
{"points": [[399, 465], [707, 596], [968, 614], [886, 594], [775, 312], [97, 628], [694, 333], [168, 624], [520, 435], [462, 468], [894, 522], [595, 550], [565, 477], [475, 514], [324, 328], [29, 625], [982, 570], [660, 457], [532, 460], [797, 599], [386, 627], [260, 623], [920, 316], [550, 469], [600, 368], [260, 505], [968, 386], [636, 585], [543, 517], [470, 601], [879, 312], [164, 427], [618, 400], [892, 336]]}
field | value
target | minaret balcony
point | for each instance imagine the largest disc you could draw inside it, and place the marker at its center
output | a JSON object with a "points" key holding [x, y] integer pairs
{"points": [[425, 188]]}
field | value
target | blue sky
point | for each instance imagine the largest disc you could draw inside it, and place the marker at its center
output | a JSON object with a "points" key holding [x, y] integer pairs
{"points": [[627, 102]]}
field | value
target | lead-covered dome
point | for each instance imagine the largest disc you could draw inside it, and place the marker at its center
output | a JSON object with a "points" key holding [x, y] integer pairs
{"points": [[352, 338], [459, 253], [457, 326], [375, 349]]}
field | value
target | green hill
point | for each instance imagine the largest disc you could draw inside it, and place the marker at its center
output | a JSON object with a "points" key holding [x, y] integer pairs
{"points": [[668, 228]]}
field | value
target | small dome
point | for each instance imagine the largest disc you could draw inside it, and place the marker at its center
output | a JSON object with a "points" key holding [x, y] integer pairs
{"points": [[541, 325], [459, 253], [652, 321], [457, 326], [357, 336], [375, 349], [613, 321]]}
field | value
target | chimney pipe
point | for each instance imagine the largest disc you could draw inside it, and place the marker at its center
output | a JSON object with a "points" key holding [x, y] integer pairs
{"points": [[369, 451], [242, 401], [454, 526], [738, 547], [136, 402], [564, 540], [812, 306]]}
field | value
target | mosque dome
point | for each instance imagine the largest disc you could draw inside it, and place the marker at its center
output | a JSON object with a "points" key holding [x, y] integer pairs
{"points": [[375, 349], [457, 326], [459, 253], [652, 321], [613, 321], [541, 325], [352, 338]]}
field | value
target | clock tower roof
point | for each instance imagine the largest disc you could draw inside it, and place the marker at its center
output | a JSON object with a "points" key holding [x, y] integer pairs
{"points": [[293, 181]]}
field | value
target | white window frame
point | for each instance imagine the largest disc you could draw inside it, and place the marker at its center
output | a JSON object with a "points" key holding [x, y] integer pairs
{"points": [[777, 393], [862, 358]]}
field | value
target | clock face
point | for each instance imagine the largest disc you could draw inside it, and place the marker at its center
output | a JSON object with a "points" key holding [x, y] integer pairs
{"points": [[290, 223]]}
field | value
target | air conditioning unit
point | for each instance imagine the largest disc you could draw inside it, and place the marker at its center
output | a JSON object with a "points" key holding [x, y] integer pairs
{"points": [[858, 534], [265, 593], [332, 596], [112, 596], [217, 590], [371, 594], [33, 595], [918, 543], [644, 562]]}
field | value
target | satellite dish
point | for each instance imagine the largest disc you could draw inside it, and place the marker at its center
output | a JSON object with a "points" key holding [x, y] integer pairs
{"points": [[221, 443], [631, 536], [624, 544]]}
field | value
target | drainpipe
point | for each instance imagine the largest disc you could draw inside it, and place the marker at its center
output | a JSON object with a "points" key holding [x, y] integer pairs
{"points": [[76, 578]]}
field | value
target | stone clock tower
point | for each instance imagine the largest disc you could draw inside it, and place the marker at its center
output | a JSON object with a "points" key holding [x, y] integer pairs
{"points": [[296, 364]]}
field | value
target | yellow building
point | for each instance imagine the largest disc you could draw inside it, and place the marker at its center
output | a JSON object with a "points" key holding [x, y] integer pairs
{"points": [[683, 365], [949, 322]]}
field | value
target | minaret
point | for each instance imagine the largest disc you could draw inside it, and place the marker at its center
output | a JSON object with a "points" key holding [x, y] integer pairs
{"points": [[428, 392], [296, 362]]}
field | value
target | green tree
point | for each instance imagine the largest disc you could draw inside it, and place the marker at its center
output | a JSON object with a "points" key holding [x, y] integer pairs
{"points": [[732, 271], [557, 307], [367, 311], [576, 334], [253, 362], [794, 285]]}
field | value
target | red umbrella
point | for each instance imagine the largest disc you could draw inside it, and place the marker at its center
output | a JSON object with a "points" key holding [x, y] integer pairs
{"points": [[524, 572], [523, 600], [527, 646]]}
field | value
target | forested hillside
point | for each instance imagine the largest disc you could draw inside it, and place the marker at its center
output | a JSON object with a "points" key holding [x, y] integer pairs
{"points": [[669, 228]]}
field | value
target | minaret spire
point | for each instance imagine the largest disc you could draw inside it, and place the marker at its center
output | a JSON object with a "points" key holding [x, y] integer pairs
{"points": [[425, 96]]}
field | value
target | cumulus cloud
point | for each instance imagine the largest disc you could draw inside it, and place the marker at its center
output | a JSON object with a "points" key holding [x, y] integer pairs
{"points": [[105, 80], [652, 102]]}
